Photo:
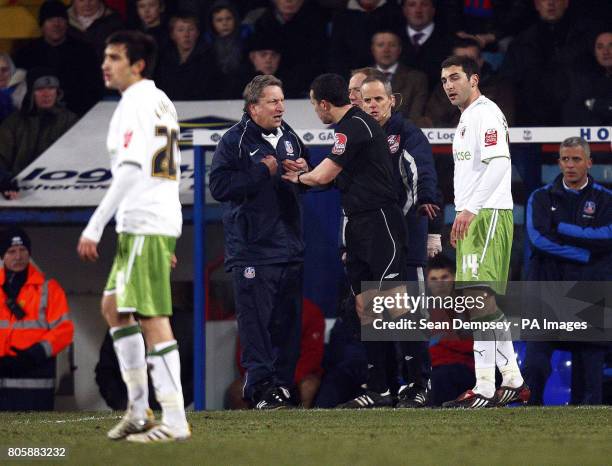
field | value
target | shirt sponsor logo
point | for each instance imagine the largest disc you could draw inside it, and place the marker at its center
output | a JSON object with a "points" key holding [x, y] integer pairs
{"points": [[394, 142], [340, 140], [490, 138], [289, 147], [249, 272], [127, 137], [462, 155]]}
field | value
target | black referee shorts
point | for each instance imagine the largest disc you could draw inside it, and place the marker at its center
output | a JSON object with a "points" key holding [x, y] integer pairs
{"points": [[376, 248]]}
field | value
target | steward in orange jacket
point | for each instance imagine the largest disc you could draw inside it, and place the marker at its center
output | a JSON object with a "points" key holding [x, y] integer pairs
{"points": [[34, 328]]}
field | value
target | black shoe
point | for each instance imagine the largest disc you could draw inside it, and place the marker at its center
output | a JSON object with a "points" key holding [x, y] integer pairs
{"points": [[412, 396], [369, 399], [471, 400], [274, 398], [506, 395]]}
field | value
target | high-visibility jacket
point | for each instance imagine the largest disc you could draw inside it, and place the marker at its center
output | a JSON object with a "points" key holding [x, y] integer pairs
{"points": [[46, 320]]}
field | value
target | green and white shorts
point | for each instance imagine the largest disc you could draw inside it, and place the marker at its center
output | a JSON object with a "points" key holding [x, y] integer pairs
{"points": [[140, 276], [483, 256]]}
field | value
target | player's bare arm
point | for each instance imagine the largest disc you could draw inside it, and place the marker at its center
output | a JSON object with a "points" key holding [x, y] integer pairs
{"points": [[87, 249], [461, 226]]}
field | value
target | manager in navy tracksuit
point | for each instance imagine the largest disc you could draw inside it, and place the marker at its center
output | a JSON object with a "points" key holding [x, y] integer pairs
{"points": [[264, 249], [569, 224]]}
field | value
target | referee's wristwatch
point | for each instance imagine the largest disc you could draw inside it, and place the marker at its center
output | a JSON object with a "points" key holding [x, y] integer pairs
{"points": [[300, 173]]}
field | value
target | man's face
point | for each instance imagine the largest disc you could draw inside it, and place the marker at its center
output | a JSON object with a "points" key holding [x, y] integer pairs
{"points": [[265, 61], [16, 258], [457, 86], [376, 101], [288, 8], [149, 12], [86, 8], [603, 50], [574, 165], [185, 35], [321, 110], [386, 49], [440, 282], [551, 11], [5, 73], [269, 109], [54, 30], [355, 89], [223, 22], [116, 69], [419, 13], [45, 97]]}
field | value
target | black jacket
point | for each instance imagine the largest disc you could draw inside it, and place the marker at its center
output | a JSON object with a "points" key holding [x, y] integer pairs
{"points": [[570, 232], [263, 214], [416, 179]]}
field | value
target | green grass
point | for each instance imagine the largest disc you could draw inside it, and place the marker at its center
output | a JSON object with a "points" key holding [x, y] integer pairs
{"points": [[533, 436]]}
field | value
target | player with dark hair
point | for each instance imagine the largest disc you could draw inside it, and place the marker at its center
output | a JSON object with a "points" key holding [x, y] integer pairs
{"points": [[482, 230], [360, 165], [145, 162]]}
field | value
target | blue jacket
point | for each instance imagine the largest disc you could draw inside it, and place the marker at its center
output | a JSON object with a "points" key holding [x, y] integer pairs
{"points": [[262, 216], [570, 232], [416, 181]]}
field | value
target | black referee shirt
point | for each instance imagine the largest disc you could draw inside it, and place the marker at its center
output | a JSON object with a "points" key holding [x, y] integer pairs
{"points": [[361, 149]]}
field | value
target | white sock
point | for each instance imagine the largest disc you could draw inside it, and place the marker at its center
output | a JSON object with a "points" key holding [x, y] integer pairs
{"points": [[505, 359], [484, 363], [165, 366], [130, 350]]}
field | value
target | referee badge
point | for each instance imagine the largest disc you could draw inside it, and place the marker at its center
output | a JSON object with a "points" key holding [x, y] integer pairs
{"points": [[394, 142], [339, 144], [249, 272]]}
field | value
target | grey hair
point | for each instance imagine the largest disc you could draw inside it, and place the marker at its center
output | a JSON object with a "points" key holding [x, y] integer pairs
{"points": [[7, 58], [380, 77], [577, 141], [254, 90]]}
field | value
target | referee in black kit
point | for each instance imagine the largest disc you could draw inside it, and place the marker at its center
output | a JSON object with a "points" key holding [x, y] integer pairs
{"points": [[360, 164]]}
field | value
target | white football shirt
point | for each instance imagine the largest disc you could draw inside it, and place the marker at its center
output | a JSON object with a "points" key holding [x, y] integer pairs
{"points": [[482, 134], [144, 131]]}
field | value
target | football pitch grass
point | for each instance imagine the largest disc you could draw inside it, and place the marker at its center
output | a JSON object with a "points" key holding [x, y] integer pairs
{"points": [[512, 436]]}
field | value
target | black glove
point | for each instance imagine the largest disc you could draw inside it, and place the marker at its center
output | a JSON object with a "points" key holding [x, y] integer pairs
{"points": [[30, 357]]}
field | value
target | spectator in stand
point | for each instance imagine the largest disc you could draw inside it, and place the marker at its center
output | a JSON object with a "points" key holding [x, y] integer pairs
{"points": [[12, 86], [184, 70], [264, 55], [353, 28], [35, 327], [91, 21], [424, 43], [537, 56], [439, 112], [299, 27], [451, 354], [152, 20], [569, 225], [411, 84], [308, 371], [588, 90], [26, 134], [488, 22], [226, 38], [73, 62]]}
